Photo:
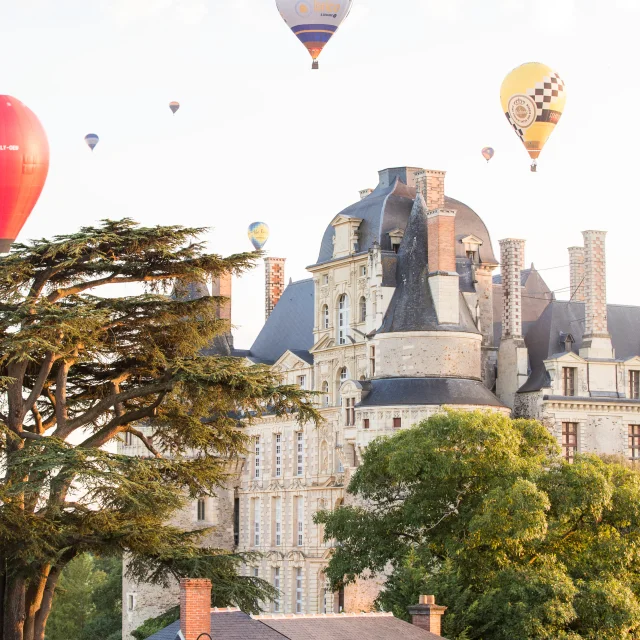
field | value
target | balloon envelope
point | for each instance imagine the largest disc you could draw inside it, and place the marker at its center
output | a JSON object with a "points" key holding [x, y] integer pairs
{"points": [[174, 106], [92, 140], [533, 98], [24, 165], [258, 234], [314, 22], [488, 153]]}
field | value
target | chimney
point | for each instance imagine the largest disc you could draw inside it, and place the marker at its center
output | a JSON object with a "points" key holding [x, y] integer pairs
{"points": [[513, 357], [444, 280], [274, 283], [431, 184], [576, 282], [221, 287], [427, 615], [596, 342], [195, 608], [364, 193]]}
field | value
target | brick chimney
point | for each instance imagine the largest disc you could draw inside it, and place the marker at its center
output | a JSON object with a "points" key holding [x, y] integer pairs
{"points": [[427, 615], [596, 342], [431, 184], [195, 608], [513, 357], [221, 287], [576, 277], [364, 193], [274, 283]]}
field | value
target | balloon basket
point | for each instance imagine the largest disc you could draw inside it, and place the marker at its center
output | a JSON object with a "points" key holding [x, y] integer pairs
{"points": [[315, 65], [534, 167]]}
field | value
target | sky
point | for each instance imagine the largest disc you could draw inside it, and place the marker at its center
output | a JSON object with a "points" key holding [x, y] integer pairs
{"points": [[262, 137]]}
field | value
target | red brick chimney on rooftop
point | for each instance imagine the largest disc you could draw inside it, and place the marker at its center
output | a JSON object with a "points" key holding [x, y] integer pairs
{"points": [[427, 615], [274, 283], [195, 608]]}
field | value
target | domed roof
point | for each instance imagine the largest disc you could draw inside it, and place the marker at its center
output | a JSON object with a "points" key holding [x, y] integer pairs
{"points": [[388, 207]]}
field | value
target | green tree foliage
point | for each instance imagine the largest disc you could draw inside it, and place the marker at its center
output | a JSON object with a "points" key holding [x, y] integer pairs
{"points": [[81, 367], [481, 511], [153, 625]]}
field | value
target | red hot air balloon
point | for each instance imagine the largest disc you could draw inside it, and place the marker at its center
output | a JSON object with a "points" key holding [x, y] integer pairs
{"points": [[24, 165]]}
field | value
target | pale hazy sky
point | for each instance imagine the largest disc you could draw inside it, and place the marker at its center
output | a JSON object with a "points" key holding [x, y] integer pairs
{"points": [[262, 137]]}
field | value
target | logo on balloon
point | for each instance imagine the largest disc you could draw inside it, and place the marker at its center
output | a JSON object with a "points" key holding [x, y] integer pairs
{"points": [[304, 9], [522, 110]]}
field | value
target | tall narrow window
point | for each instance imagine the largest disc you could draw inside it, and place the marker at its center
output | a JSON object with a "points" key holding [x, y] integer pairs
{"points": [[344, 375], [278, 521], [256, 522], [299, 521], [278, 455], [372, 361], [634, 444], [325, 316], [365, 423], [569, 381], [343, 319], [256, 572], [363, 270], [325, 279], [299, 453], [257, 458], [299, 590], [325, 394], [569, 440], [634, 385], [236, 521], [347, 420], [302, 382], [363, 310], [202, 510], [276, 585], [128, 438]]}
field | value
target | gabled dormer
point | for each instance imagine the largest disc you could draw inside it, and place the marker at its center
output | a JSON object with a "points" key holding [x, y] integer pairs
{"points": [[395, 237], [472, 246], [567, 374], [345, 240]]}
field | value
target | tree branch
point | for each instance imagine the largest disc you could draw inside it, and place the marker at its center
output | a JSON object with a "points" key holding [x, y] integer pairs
{"points": [[45, 370], [146, 441]]}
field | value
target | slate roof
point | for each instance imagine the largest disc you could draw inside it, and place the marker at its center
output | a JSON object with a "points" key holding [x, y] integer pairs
{"points": [[562, 317], [235, 625], [388, 207], [289, 327], [412, 307], [382, 392]]}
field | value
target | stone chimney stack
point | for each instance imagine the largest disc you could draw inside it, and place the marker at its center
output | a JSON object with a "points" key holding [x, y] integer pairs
{"points": [[430, 184], [427, 615], [513, 357], [274, 283], [364, 193], [576, 278], [596, 342], [221, 287], [195, 608]]}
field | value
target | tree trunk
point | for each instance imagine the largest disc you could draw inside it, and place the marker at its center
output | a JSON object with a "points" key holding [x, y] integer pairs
{"points": [[47, 600], [35, 592], [14, 609], [3, 579]]}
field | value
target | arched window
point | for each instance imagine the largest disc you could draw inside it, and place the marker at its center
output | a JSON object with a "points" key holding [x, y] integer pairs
{"points": [[363, 310], [325, 393], [343, 319], [325, 317], [344, 374]]}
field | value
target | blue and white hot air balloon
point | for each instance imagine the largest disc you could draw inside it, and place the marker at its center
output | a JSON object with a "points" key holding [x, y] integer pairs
{"points": [[258, 234], [92, 140]]}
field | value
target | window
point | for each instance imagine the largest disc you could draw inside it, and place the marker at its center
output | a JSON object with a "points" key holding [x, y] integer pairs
{"points": [[236, 521], [351, 412], [128, 438], [278, 455], [343, 319], [568, 381], [202, 510], [634, 444], [365, 423], [257, 458], [634, 385], [302, 382], [397, 423], [569, 440], [278, 522], [340, 465], [325, 316], [298, 590], [325, 279], [256, 572], [344, 375], [325, 392], [276, 585], [372, 361], [471, 255], [256, 522], [131, 602], [363, 310], [363, 270], [299, 521], [300, 453]]}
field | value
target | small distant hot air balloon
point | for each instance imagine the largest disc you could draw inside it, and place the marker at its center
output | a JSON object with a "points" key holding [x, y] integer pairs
{"points": [[488, 153], [314, 22], [92, 140], [174, 106], [533, 98], [258, 234], [24, 165]]}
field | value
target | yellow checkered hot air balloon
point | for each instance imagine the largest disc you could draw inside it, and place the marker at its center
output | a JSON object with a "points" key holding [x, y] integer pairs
{"points": [[533, 98]]}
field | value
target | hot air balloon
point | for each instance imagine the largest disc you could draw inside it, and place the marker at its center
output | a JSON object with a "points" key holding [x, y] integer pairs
{"points": [[314, 21], [174, 106], [258, 234], [488, 153], [533, 97], [92, 140], [24, 165]]}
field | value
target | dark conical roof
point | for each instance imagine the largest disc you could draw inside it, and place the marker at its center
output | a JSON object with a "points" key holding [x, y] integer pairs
{"points": [[412, 307]]}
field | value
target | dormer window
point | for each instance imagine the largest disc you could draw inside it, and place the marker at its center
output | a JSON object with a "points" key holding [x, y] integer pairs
{"points": [[346, 236], [395, 238], [472, 246]]}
